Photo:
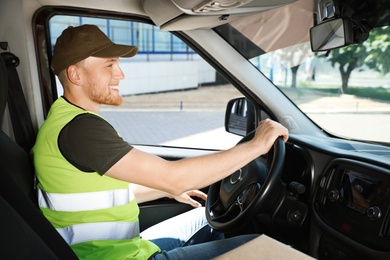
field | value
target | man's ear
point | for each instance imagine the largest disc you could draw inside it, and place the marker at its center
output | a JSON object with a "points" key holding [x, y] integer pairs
{"points": [[73, 75]]}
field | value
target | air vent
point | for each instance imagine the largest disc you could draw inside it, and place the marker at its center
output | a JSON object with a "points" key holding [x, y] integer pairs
{"points": [[324, 185]]}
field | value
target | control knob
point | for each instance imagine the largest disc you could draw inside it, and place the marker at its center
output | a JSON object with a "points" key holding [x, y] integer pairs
{"points": [[374, 213], [333, 195]]}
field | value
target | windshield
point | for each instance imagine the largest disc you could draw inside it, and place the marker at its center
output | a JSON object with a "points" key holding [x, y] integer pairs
{"points": [[346, 91]]}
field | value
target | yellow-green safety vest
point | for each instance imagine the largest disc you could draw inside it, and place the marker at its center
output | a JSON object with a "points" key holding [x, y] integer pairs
{"points": [[96, 215]]}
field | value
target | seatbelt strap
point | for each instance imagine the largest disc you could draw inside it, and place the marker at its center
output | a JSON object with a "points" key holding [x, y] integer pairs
{"points": [[19, 112]]}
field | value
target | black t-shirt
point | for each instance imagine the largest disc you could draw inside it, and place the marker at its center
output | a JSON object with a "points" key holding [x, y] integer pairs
{"points": [[91, 144]]}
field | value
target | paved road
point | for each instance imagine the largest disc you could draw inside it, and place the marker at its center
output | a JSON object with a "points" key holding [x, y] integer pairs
{"points": [[202, 129]]}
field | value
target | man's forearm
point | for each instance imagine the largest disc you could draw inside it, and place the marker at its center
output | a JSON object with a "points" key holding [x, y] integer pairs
{"points": [[145, 194]]}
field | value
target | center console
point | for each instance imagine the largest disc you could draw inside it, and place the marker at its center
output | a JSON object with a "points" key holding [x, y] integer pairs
{"points": [[353, 199]]}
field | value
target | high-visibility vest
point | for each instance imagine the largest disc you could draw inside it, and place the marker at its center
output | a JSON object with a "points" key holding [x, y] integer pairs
{"points": [[97, 215]]}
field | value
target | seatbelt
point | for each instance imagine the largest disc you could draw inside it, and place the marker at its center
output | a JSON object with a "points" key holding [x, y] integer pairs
{"points": [[19, 112]]}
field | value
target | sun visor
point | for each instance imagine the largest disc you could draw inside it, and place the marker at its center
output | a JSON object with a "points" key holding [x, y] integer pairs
{"points": [[175, 15]]}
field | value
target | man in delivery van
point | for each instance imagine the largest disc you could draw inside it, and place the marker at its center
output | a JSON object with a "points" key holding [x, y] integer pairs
{"points": [[90, 180]]}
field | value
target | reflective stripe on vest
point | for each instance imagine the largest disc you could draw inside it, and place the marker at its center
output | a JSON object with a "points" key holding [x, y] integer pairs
{"points": [[85, 201], [99, 231]]}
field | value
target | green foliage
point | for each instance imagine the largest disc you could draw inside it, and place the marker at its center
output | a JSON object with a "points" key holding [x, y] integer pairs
{"points": [[379, 93], [374, 93], [373, 53], [378, 50]]}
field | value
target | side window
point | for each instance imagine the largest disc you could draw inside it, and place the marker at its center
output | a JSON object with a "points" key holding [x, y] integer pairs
{"points": [[172, 97]]}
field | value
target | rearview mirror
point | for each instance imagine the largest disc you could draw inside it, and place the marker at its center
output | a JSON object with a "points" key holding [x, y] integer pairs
{"points": [[240, 116], [331, 34]]}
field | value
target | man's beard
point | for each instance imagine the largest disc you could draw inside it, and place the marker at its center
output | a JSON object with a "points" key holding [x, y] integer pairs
{"points": [[105, 99]]}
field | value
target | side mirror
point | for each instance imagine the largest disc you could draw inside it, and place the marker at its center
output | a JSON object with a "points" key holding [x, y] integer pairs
{"points": [[240, 116], [331, 34]]}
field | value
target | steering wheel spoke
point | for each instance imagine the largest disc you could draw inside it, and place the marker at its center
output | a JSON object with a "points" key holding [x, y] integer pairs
{"points": [[222, 214], [216, 210], [247, 196]]}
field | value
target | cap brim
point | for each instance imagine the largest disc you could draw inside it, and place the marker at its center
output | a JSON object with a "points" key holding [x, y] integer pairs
{"points": [[116, 50]]}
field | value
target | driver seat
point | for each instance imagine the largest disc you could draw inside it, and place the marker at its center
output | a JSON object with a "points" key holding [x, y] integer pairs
{"points": [[25, 232]]}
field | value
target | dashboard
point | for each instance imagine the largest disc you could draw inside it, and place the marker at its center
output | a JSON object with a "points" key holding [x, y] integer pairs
{"points": [[336, 203], [349, 198], [353, 199]]}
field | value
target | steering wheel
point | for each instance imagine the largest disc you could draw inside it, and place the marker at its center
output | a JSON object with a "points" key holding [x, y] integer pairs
{"points": [[236, 199]]}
